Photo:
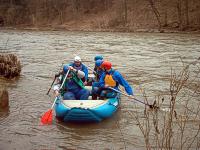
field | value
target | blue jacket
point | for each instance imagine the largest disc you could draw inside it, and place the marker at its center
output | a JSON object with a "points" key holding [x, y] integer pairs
{"points": [[72, 85], [98, 73], [119, 79], [82, 68]]}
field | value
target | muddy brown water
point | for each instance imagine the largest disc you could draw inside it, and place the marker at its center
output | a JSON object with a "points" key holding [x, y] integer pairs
{"points": [[144, 59]]}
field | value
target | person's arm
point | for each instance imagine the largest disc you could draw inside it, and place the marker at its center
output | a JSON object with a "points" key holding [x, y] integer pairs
{"points": [[124, 83], [80, 74], [56, 87], [85, 70], [101, 80]]}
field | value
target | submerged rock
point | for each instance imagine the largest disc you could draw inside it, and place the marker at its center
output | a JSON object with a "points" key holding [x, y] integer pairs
{"points": [[4, 99], [10, 66]]}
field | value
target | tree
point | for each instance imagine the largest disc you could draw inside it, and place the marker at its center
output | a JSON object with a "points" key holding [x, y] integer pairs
{"points": [[187, 12], [125, 12], [157, 14], [179, 9]]}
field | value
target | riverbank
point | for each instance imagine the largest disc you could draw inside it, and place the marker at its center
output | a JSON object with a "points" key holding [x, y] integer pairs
{"points": [[102, 15], [125, 30]]}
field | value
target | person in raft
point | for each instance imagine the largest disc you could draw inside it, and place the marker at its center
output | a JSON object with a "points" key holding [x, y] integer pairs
{"points": [[97, 70], [111, 78], [77, 64], [73, 88], [95, 85]]}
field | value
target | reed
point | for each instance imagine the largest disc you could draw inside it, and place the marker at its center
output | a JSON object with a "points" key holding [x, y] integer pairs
{"points": [[10, 65], [177, 127]]}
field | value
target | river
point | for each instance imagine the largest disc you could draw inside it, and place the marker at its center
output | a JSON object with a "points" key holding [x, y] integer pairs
{"points": [[144, 59]]}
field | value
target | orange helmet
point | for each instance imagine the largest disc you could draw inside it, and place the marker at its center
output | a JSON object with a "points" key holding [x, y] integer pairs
{"points": [[107, 65]]}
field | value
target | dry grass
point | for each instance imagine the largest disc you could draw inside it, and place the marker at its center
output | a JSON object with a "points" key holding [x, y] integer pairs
{"points": [[10, 66], [179, 126]]}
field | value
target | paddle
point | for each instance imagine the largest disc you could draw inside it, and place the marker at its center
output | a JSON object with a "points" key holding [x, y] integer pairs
{"points": [[51, 85], [48, 116], [56, 75], [93, 71], [150, 106]]}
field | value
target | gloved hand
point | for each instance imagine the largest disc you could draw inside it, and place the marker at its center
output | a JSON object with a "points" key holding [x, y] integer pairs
{"points": [[56, 93], [72, 68], [57, 75]]}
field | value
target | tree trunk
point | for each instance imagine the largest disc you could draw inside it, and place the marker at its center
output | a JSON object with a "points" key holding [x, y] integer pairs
{"points": [[187, 13], [61, 17], [152, 4], [107, 4], [165, 23], [125, 12], [76, 5], [180, 22]]}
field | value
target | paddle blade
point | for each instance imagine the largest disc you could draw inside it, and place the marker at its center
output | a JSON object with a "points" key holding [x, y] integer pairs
{"points": [[47, 117]]}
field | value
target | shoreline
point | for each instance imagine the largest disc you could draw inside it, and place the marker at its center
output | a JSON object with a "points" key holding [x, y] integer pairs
{"points": [[121, 30]]}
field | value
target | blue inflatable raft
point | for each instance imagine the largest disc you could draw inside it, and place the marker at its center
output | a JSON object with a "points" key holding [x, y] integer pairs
{"points": [[86, 110]]}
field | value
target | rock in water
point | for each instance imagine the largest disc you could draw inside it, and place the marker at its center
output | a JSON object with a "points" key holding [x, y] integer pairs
{"points": [[4, 99]]}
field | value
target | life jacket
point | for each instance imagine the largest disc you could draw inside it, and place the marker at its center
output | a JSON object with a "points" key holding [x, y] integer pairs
{"points": [[109, 79], [74, 77]]}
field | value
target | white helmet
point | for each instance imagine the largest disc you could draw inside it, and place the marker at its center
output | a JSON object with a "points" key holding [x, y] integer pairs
{"points": [[77, 58]]}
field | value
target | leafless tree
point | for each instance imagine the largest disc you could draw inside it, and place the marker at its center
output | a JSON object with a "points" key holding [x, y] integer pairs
{"points": [[187, 12], [157, 14], [125, 12]]}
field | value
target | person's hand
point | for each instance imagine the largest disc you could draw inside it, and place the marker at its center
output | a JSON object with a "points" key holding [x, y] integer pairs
{"points": [[72, 69], [106, 85], [85, 83], [131, 95], [57, 75], [56, 93]]}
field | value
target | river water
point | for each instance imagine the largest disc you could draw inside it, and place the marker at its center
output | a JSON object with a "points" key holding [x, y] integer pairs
{"points": [[144, 59]]}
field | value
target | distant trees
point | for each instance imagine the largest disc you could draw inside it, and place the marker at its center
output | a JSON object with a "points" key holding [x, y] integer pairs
{"points": [[178, 14]]}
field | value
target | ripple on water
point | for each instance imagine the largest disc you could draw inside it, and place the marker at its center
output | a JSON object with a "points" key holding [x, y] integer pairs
{"points": [[144, 59]]}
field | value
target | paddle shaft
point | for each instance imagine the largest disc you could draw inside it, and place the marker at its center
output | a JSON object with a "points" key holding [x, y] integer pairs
{"points": [[129, 96], [89, 68], [53, 82], [51, 86]]}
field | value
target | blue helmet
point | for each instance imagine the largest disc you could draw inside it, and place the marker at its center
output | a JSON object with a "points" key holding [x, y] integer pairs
{"points": [[98, 62], [98, 57], [65, 68]]}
